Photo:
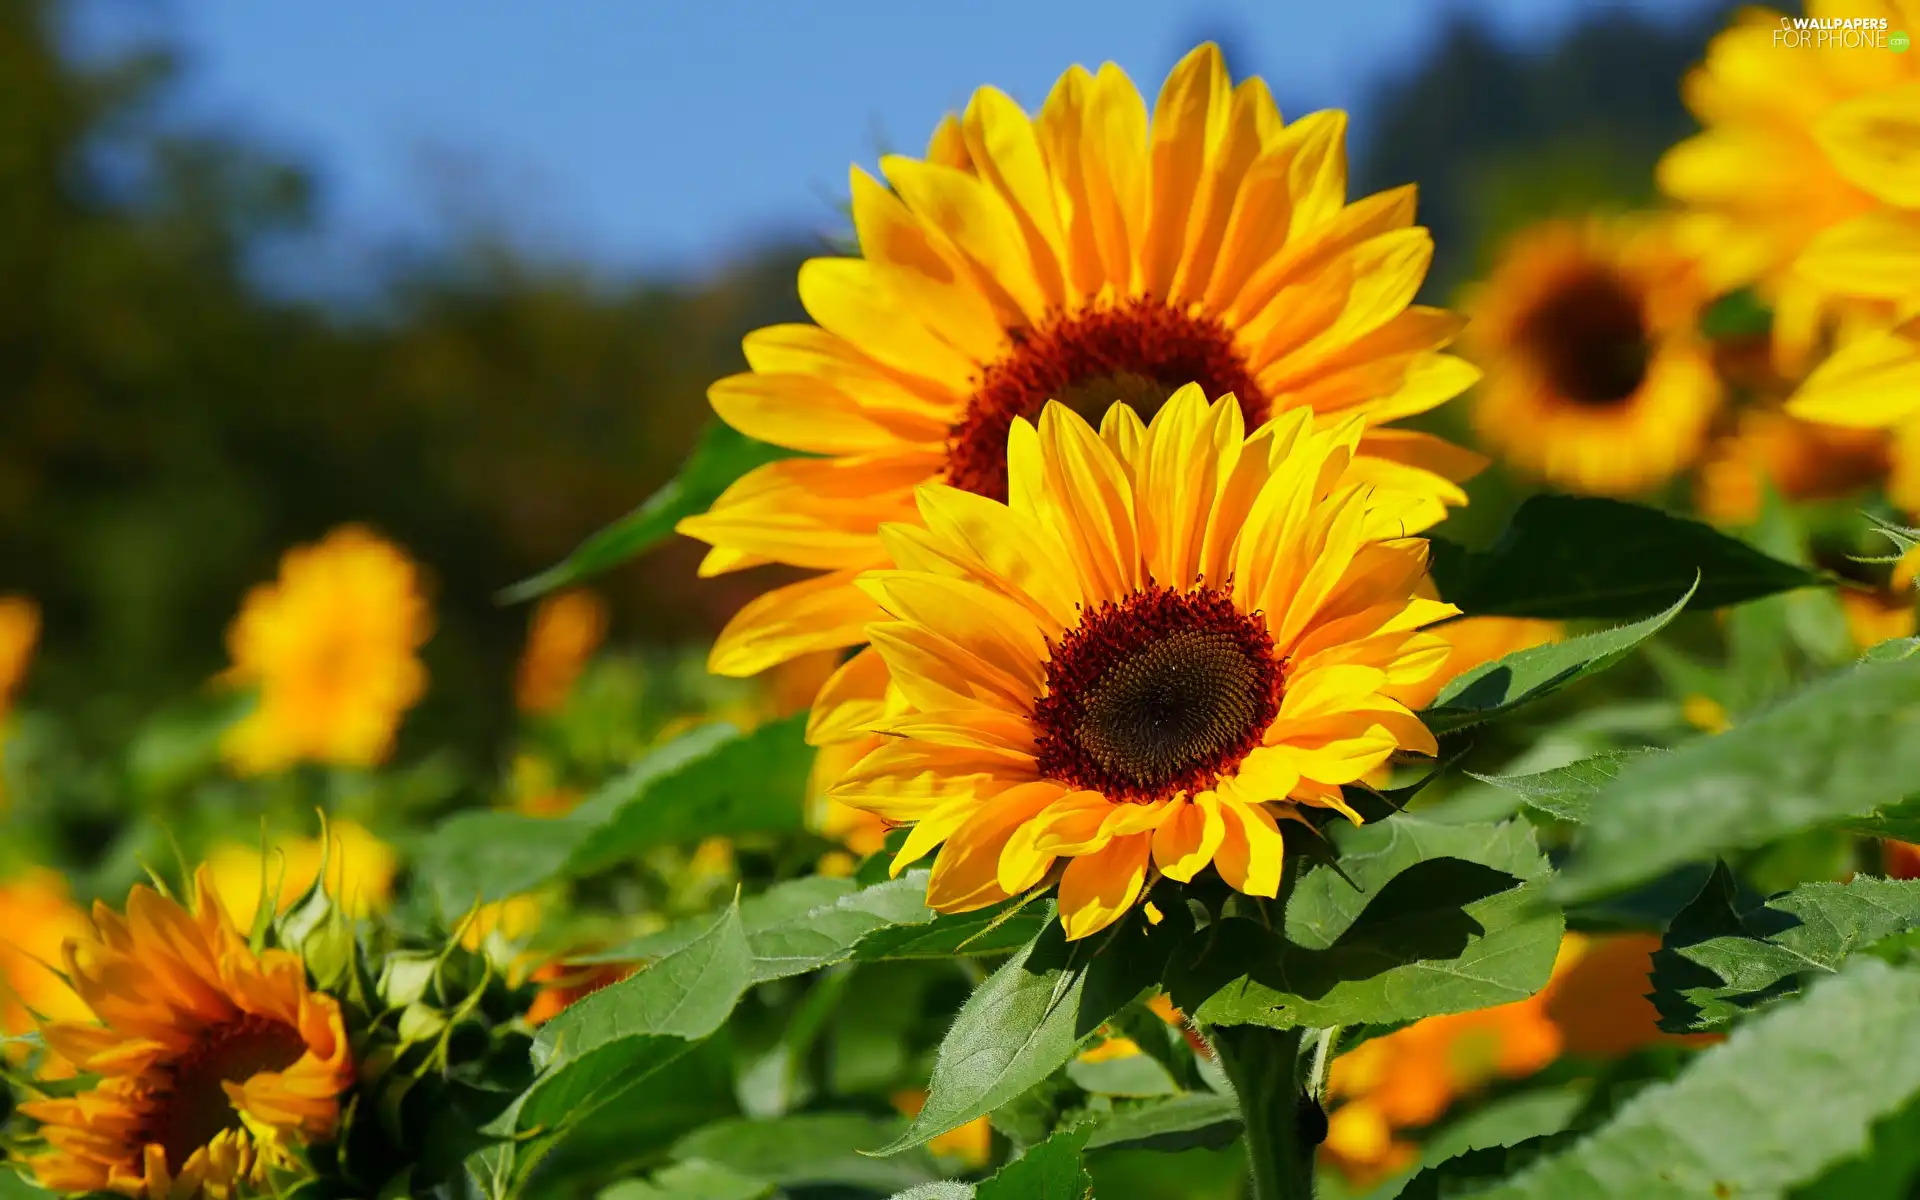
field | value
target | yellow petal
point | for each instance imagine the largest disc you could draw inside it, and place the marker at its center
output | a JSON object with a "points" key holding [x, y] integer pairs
{"points": [[1097, 889], [1872, 382], [926, 271], [1006, 153], [804, 412], [1874, 140], [851, 701], [851, 297], [1876, 255], [823, 613], [978, 222], [1186, 842], [996, 630], [966, 875], [1252, 851], [1189, 120]]}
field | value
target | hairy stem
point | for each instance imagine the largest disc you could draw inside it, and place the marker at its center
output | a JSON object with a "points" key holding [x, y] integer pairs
{"points": [[1269, 1071]]}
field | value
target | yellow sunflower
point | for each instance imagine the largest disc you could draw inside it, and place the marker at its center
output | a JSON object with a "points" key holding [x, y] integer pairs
{"points": [[1597, 377], [331, 647], [214, 1063], [1162, 641], [1796, 142], [1804, 182], [1088, 255], [36, 918]]}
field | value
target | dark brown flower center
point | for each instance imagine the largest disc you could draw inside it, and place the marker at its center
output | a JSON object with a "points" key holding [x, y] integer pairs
{"points": [[1590, 339], [1157, 694], [1137, 353], [189, 1105]]}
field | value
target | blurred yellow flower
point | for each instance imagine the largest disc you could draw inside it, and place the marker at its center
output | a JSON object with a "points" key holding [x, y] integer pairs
{"points": [[1799, 460], [331, 647], [1705, 714], [566, 629], [970, 1146], [360, 870], [36, 919], [1597, 379], [564, 984], [515, 919]]}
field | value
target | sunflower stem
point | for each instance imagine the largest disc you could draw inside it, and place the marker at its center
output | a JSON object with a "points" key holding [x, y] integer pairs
{"points": [[1284, 1124]]}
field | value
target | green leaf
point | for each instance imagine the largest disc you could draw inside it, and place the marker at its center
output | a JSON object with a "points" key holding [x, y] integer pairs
{"points": [[1887, 1171], [1505, 684], [1051, 1170], [1844, 747], [14, 1186], [605, 1045], [1329, 897], [1175, 1123], [1507, 1121], [946, 1189], [710, 781], [805, 924], [1585, 556], [1721, 957], [722, 455], [691, 1181], [1034, 1014], [1420, 955], [1892, 650], [810, 1150], [1737, 314], [1566, 792], [1787, 1094], [1129, 1075]]}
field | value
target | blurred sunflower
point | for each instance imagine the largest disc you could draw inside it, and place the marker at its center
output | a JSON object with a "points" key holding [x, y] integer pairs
{"points": [[360, 869], [1090, 256], [331, 647], [36, 919], [564, 984], [1597, 378], [1799, 460], [1165, 639], [1802, 154], [214, 1064], [565, 630], [1803, 182]]}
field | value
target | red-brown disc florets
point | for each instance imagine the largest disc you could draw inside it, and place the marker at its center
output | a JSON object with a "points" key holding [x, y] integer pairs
{"points": [[1136, 353], [189, 1106], [1157, 694]]}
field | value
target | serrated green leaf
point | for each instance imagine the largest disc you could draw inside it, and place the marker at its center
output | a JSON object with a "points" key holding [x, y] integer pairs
{"points": [[1844, 747], [708, 782], [1789, 1093], [1520, 678], [810, 1150], [1176, 1123], [1033, 1014], [1721, 958], [722, 455], [946, 1189], [1051, 1170], [1421, 955], [606, 1044], [1330, 896], [1566, 792], [1892, 650], [1586, 556]]}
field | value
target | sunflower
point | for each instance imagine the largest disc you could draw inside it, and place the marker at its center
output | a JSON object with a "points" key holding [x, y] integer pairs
{"points": [[213, 1064], [1597, 379], [331, 646], [1163, 640], [1087, 255], [562, 635], [1802, 183]]}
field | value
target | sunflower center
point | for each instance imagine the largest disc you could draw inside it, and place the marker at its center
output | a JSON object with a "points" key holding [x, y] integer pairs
{"points": [[1156, 694], [1590, 340], [1136, 353], [190, 1105]]}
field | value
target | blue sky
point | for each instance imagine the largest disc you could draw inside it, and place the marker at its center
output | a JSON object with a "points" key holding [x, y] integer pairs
{"points": [[642, 134]]}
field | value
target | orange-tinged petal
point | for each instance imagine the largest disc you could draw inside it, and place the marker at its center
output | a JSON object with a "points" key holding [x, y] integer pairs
{"points": [[1097, 889]]}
